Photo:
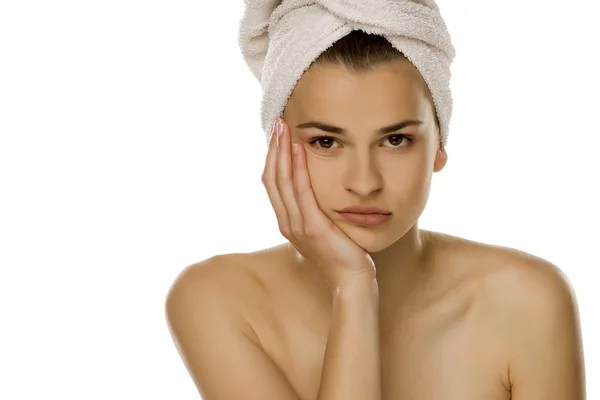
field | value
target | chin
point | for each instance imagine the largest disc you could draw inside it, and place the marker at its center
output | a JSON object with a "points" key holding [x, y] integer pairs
{"points": [[376, 239], [371, 240]]}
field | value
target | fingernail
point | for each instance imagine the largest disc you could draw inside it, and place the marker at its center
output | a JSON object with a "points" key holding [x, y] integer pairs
{"points": [[279, 130], [272, 134], [295, 148]]}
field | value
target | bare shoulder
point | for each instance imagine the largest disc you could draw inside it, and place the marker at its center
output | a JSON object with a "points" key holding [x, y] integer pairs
{"points": [[231, 279], [239, 283], [505, 281], [214, 282], [504, 269], [517, 279], [537, 305], [532, 306], [206, 314]]}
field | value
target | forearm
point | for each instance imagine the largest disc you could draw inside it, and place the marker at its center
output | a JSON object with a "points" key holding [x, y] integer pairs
{"points": [[352, 364]]}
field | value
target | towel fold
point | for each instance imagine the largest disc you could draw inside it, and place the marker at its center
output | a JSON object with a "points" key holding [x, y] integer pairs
{"points": [[279, 40]]}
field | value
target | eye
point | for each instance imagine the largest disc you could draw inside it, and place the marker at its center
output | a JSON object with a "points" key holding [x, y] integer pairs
{"points": [[325, 142], [399, 138]]}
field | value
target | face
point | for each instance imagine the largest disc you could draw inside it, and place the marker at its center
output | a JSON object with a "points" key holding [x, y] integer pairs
{"points": [[357, 164]]}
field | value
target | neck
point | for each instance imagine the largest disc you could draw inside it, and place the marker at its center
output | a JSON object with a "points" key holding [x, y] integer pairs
{"points": [[400, 267], [404, 264]]}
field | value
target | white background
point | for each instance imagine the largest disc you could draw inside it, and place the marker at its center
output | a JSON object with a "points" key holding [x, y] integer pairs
{"points": [[130, 147]]}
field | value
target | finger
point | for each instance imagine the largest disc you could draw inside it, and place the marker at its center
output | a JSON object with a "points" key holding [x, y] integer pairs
{"points": [[268, 179], [284, 180], [312, 214], [271, 156]]}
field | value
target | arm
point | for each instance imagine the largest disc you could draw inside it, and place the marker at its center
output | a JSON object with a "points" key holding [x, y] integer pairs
{"points": [[226, 361], [547, 357], [352, 365]]}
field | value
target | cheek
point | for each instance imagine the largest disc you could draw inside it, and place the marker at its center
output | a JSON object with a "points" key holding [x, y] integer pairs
{"points": [[409, 183], [320, 181], [406, 188]]}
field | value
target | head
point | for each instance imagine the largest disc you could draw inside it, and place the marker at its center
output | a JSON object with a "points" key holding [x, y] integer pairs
{"points": [[357, 87]]}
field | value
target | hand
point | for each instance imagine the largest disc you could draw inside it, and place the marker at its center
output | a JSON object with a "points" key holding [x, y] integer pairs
{"points": [[300, 219]]}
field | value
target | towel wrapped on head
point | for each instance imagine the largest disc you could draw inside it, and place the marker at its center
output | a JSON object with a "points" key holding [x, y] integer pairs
{"points": [[279, 41]]}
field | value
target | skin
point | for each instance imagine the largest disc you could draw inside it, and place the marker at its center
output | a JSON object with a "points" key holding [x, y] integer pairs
{"points": [[458, 319], [363, 167]]}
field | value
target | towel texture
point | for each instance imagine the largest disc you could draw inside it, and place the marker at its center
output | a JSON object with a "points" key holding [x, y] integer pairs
{"points": [[279, 40]]}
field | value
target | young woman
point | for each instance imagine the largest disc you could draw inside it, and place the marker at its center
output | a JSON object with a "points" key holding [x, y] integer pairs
{"points": [[360, 303]]}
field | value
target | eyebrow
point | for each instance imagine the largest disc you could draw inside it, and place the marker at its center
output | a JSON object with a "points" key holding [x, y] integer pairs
{"points": [[342, 131]]}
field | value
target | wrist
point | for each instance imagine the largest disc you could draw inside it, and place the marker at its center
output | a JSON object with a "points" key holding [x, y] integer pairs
{"points": [[362, 284]]}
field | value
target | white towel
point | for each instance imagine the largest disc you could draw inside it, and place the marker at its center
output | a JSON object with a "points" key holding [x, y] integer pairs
{"points": [[279, 40]]}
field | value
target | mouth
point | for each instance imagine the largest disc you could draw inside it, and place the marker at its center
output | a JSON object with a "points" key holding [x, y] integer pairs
{"points": [[368, 220]]}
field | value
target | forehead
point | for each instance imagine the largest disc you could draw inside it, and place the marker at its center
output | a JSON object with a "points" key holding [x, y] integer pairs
{"points": [[391, 90]]}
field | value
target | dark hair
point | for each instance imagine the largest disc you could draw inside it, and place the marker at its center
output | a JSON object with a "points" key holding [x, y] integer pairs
{"points": [[360, 52]]}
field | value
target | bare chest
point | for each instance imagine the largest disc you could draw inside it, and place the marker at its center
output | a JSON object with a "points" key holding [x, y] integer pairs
{"points": [[444, 350]]}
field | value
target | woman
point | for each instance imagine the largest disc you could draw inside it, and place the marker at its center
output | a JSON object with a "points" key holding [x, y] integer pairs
{"points": [[361, 303]]}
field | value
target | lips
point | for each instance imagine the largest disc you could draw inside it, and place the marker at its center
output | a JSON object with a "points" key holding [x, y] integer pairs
{"points": [[359, 209], [368, 220]]}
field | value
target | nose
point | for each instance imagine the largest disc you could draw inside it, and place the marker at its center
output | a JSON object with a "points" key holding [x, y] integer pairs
{"points": [[362, 175]]}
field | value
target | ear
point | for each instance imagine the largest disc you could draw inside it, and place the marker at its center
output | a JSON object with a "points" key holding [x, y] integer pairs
{"points": [[441, 158]]}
